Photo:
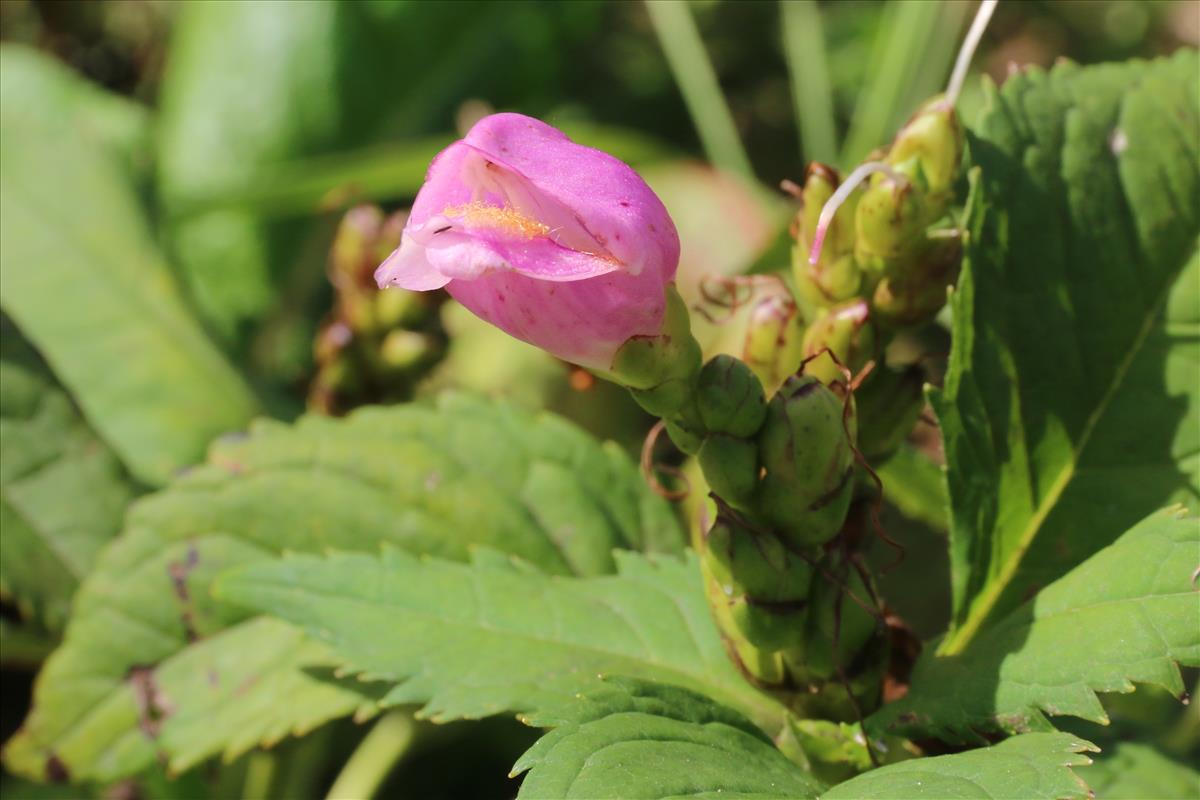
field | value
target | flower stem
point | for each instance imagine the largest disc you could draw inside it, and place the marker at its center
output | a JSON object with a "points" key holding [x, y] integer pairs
{"points": [[374, 758]]}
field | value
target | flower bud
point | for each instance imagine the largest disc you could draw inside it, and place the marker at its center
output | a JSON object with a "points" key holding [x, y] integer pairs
{"points": [[730, 467], [806, 452], [848, 333], [764, 587], [916, 292], [773, 347], [837, 607], [820, 182], [560, 245], [729, 398], [888, 404], [687, 440], [928, 149], [765, 666], [889, 223], [836, 276], [353, 249]]}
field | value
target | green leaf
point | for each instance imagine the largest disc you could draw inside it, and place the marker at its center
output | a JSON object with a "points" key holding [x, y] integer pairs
{"points": [[490, 637], [62, 495], [81, 275], [1134, 771], [1129, 613], [1032, 767], [915, 485], [152, 666], [1072, 404], [641, 739]]}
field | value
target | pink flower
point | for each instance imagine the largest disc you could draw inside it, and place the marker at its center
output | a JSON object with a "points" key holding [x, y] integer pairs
{"points": [[560, 245]]}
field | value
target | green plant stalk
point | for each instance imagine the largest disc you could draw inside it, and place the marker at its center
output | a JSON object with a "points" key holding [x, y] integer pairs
{"points": [[260, 772], [693, 71], [808, 74], [374, 758]]}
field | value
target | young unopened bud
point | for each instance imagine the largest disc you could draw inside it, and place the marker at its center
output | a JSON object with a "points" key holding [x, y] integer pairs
{"points": [[917, 292], [888, 404], [765, 586], [845, 331], [352, 258], [808, 461], [730, 467], [729, 398], [928, 150], [835, 615], [759, 663], [835, 276], [889, 222], [774, 343], [820, 183], [403, 350]]}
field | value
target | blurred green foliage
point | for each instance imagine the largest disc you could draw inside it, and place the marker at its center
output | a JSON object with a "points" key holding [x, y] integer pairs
{"points": [[268, 119]]}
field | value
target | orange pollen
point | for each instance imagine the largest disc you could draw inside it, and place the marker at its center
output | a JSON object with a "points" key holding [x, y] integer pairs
{"points": [[507, 221]]}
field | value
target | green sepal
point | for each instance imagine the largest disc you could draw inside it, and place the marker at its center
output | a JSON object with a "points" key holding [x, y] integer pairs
{"points": [[660, 370], [757, 563], [808, 460], [730, 398], [760, 665], [730, 467], [855, 628], [683, 437], [888, 404]]}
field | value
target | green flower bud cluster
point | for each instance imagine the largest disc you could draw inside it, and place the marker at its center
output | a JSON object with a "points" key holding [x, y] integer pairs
{"points": [[375, 345], [795, 617], [778, 560], [888, 243], [782, 477]]}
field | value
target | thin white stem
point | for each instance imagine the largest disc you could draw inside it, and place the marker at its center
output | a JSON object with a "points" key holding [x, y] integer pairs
{"points": [[861, 173], [967, 52]]}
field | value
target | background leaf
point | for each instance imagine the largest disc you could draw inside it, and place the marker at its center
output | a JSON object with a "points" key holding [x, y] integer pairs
{"points": [[642, 739], [83, 279], [1127, 614], [1031, 767], [489, 637], [1134, 771], [1072, 404], [62, 495], [153, 667]]}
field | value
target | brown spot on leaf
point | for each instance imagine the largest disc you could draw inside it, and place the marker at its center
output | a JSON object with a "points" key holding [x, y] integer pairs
{"points": [[153, 705], [179, 571], [56, 770]]}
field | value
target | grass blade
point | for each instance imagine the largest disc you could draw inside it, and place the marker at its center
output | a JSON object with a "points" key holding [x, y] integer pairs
{"points": [[697, 80], [808, 70], [905, 31]]}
